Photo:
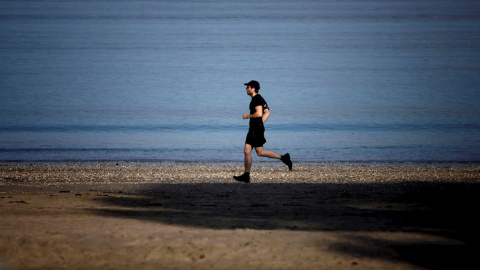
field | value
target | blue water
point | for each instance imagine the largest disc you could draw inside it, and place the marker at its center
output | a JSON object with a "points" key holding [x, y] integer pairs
{"points": [[357, 81]]}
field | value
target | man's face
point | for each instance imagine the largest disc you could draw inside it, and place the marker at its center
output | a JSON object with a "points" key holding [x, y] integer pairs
{"points": [[250, 90]]}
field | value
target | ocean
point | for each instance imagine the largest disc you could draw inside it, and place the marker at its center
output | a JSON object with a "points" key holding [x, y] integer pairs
{"points": [[162, 81]]}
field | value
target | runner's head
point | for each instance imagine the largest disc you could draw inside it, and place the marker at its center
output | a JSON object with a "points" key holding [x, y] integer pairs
{"points": [[253, 84]]}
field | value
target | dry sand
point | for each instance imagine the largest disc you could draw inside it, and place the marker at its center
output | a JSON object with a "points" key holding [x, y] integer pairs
{"points": [[197, 217]]}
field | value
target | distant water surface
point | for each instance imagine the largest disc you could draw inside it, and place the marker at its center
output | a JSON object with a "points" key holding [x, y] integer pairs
{"points": [[356, 81]]}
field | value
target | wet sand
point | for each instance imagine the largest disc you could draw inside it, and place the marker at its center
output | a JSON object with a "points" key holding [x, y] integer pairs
{"points": [[134, 216]]}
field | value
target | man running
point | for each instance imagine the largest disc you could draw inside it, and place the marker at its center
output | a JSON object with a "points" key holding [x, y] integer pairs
{"points": [[259, 113]]}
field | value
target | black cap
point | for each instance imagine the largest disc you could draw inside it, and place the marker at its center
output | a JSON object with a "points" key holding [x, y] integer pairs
{"points": [[253, 84]]}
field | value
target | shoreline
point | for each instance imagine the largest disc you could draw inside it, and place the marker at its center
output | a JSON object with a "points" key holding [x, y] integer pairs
{"points": [[258, 162], [141, 173], [197, 217]]}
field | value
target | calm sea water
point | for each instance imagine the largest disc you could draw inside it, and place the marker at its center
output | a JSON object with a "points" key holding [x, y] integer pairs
{"points": [[356, 81]]}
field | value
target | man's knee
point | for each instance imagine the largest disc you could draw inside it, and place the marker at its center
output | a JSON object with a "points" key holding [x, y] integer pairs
{"points": [[260, 152], [248, 150]]}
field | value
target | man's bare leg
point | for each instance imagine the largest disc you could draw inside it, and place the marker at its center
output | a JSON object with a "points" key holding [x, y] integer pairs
{"points": [[248, 157], [266, 153], [262, 153], [248, 164], [270, 154]]}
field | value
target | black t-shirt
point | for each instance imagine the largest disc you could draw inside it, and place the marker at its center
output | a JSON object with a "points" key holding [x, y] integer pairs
{"points": [[257, 100]]}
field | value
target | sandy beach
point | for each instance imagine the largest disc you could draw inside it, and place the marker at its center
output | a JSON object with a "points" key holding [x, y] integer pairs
{"points": [[133, 216]]}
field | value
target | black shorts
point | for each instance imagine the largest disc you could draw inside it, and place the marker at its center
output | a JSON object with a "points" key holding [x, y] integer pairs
{"points": [[256, 136]]}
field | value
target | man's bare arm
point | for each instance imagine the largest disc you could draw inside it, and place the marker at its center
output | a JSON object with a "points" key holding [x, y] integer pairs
{"points": [[257, 114]]}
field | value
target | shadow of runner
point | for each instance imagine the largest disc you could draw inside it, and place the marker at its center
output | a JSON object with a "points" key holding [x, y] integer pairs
{"points": [[442, 209]]}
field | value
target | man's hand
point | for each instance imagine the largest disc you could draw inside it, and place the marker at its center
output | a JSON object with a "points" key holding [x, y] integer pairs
{"points": [[245, 116], [266, 114]]}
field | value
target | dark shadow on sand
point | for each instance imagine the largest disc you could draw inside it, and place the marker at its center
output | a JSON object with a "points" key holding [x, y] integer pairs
{"points": [[442, 209]]}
